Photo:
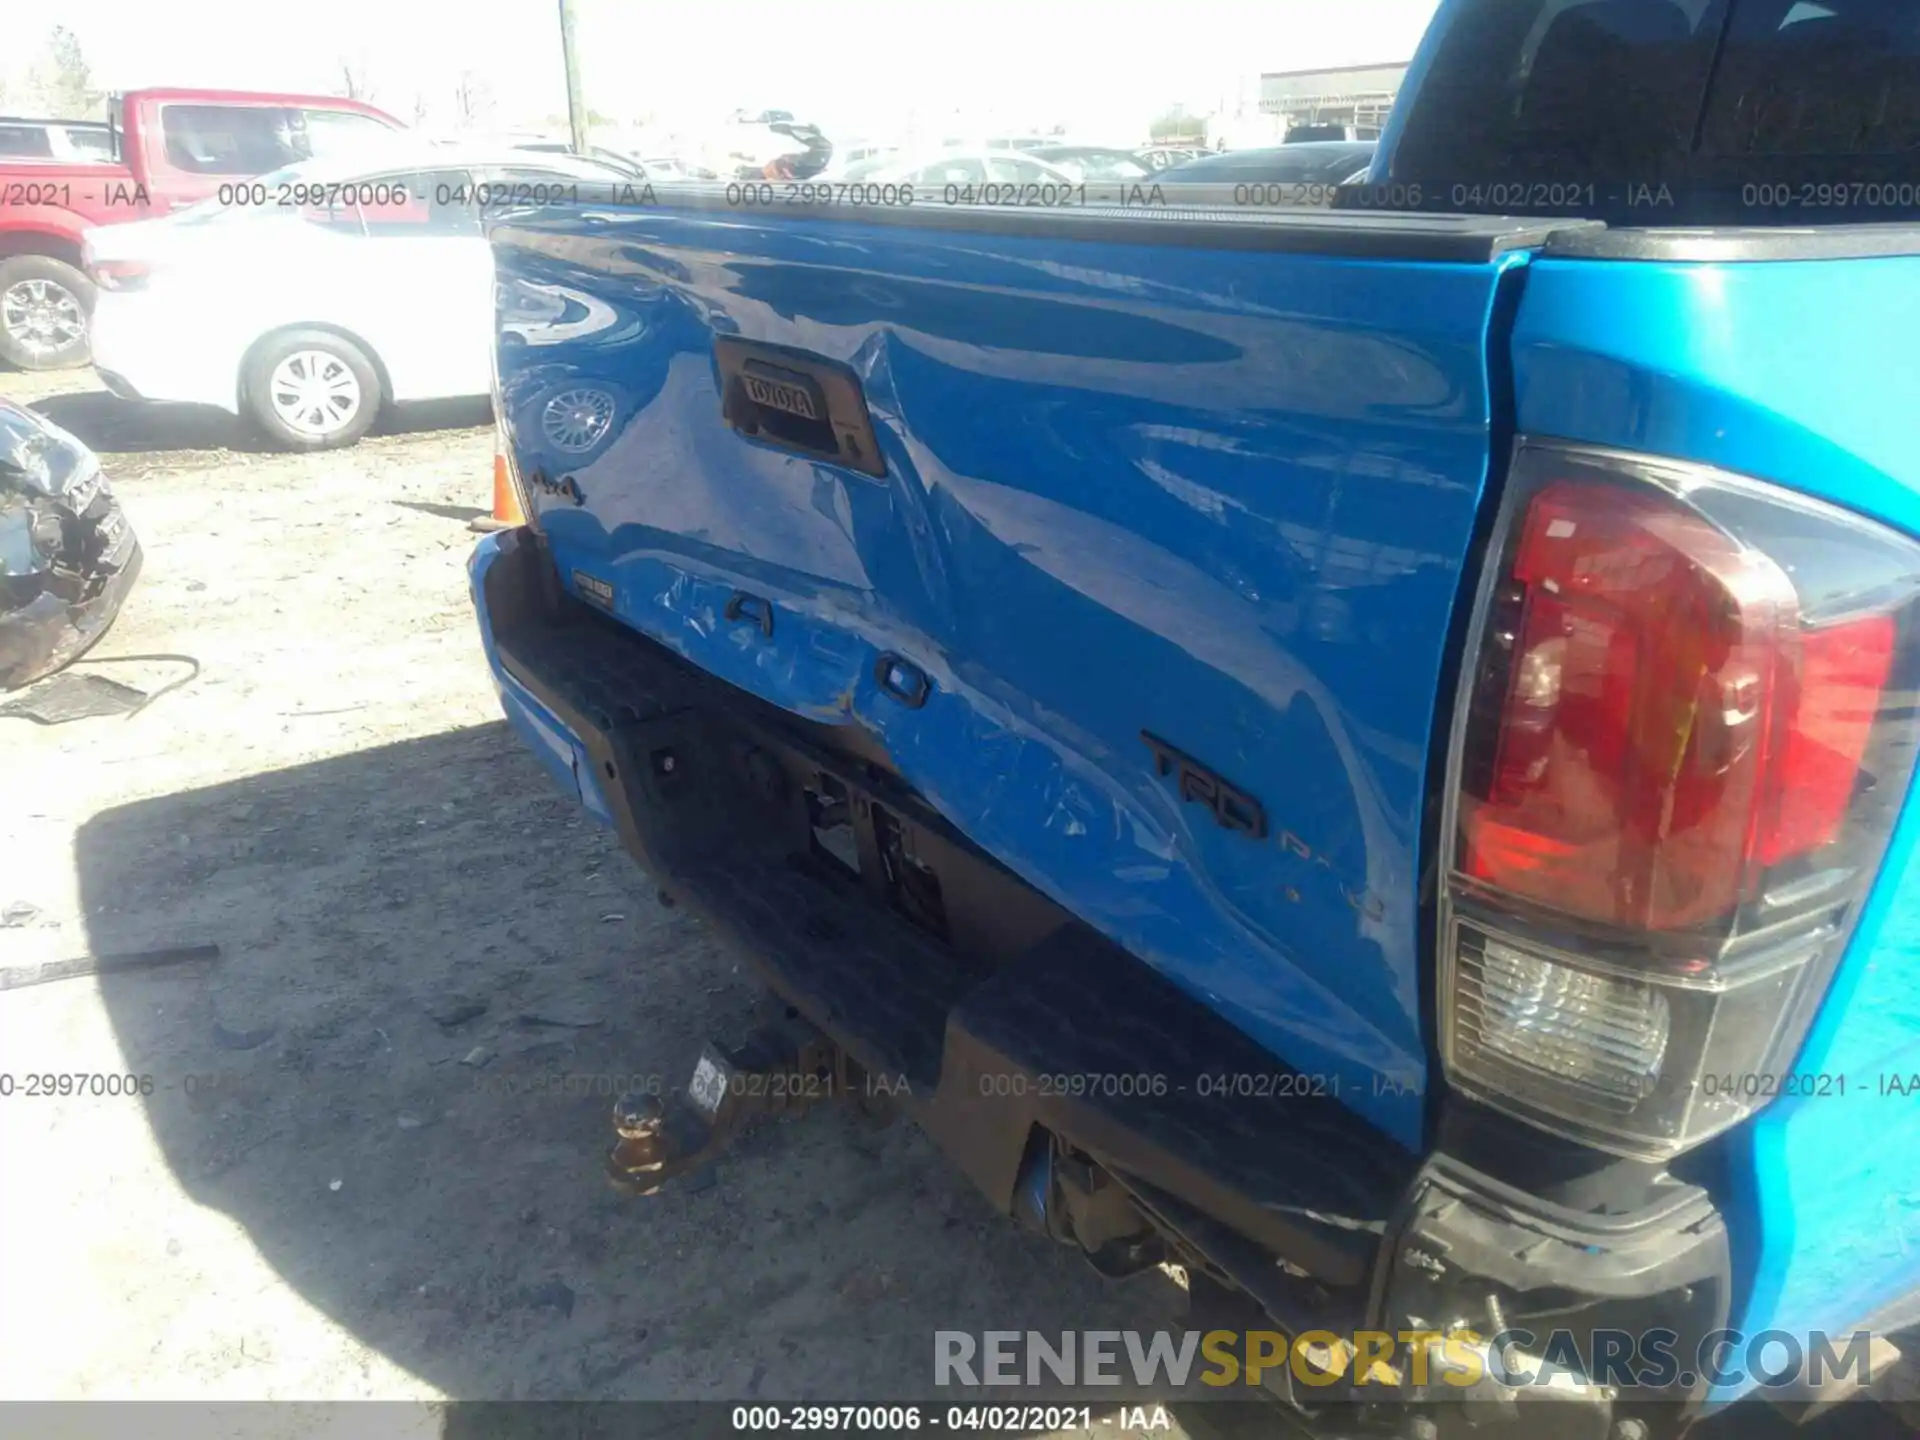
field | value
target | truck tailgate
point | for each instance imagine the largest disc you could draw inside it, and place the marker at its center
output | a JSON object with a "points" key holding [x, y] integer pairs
{"points": [[1173, 520]]}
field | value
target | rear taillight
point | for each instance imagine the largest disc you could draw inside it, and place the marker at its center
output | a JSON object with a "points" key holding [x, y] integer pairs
{"points": [[120, 274], [1684, 733]]}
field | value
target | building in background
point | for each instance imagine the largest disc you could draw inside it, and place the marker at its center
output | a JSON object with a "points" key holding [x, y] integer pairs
{"points": [[1350, 102]]}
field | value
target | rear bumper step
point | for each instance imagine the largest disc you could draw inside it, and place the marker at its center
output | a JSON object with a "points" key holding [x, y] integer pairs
{"points": [[1000, 1015]]}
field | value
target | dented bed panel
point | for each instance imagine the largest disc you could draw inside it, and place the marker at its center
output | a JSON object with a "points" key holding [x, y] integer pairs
{"points": [[1171, 537]]}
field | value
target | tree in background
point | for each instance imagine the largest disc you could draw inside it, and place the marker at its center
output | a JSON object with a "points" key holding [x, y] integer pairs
{"points": [[558, 121], [356, 78], [60, 83], [1177, 127], [472, 100]]}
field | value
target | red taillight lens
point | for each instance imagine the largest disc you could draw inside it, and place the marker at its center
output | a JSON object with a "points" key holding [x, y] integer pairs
{"points": [[1686, 731], [1842, 681], [120, 274], [1670, 725]]}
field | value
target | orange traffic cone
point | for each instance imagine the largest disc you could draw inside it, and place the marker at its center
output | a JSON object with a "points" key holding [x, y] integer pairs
{"points": [[506, 498]]}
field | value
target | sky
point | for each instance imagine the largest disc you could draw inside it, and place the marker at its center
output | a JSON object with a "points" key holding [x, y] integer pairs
{"points": [[848, 65]]}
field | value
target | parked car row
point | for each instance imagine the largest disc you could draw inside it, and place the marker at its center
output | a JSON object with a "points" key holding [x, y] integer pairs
{"points": [[175, 261], [176, 148], [1323, 162], [1308, 163], [307, 318]]}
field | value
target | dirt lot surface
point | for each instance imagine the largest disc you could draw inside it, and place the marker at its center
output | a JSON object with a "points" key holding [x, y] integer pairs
{"points": [[322, 1198]]}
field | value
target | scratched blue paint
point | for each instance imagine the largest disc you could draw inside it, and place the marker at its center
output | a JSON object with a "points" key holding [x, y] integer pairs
{"points": [[1224, 497], [1800, 373]]}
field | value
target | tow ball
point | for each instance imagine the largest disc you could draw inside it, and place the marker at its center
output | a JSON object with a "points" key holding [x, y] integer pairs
{"points": [[783, 1069]]}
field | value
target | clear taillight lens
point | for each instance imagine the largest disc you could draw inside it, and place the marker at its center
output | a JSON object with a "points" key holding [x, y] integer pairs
{"points": [[1604, 1034], [1684, 734]]}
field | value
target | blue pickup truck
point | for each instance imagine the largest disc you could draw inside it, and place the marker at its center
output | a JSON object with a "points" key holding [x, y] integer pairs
{"points": [[1364, 753]]}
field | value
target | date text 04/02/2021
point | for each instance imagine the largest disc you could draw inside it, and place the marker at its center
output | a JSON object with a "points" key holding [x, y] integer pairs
{"points": [[960, 1419]]}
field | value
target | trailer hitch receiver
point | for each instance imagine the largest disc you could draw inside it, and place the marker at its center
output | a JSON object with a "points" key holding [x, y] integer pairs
{"points": [[783, 1069]]}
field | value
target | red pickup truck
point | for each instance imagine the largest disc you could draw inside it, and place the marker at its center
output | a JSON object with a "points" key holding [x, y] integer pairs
{"points": [[174, 147]]}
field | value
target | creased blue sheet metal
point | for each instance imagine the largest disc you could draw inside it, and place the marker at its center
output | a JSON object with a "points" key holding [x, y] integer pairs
{"points": [[1221, 497]]}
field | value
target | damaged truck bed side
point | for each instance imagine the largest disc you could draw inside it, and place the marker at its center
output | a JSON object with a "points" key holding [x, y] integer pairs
{"points": [[1366, 754]]}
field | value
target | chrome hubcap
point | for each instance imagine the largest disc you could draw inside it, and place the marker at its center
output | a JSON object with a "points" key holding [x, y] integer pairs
{"points": [[42, 316], [314, 393], [574, 421]]}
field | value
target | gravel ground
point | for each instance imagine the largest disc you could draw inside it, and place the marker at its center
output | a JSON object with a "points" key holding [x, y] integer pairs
{"points": [[321, 1198]]}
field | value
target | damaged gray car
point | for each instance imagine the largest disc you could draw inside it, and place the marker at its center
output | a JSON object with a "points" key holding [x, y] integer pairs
{"points": [[68, 557]]}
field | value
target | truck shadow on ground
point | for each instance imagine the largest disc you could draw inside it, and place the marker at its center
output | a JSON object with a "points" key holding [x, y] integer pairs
{"points": [[113, 426], [444, 512], [435, 974]]}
